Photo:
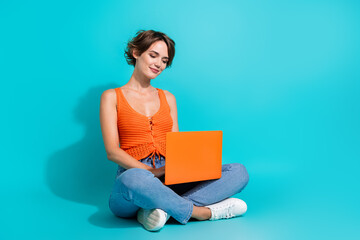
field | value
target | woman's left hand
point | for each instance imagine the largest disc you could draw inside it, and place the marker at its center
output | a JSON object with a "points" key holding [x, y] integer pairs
{"points": [[158, 172]]}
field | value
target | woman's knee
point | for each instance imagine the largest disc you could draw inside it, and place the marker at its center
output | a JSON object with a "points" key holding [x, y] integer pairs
{"points": [[121, 208], [241, 172]]}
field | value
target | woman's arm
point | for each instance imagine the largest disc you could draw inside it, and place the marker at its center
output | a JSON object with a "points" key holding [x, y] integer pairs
{"points": [[108, 122], [173, 110]]}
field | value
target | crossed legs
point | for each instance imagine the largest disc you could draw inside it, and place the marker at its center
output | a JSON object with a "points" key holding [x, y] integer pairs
{"points": [[138, 188]]}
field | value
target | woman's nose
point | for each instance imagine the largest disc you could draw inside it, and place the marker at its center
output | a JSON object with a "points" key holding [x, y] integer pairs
{"points": [[158, 63]]}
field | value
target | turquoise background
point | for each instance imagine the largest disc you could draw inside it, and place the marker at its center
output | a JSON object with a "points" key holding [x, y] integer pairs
{"points": [[279, 78]]}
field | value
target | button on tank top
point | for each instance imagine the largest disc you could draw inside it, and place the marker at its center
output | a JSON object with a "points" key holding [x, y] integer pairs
{"points": [[139, 135]]}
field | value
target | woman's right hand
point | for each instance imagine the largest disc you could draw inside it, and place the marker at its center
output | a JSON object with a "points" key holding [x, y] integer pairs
{"points": [[158, 172]]}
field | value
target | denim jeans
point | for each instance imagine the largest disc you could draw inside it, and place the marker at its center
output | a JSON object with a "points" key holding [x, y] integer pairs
{"points": [[136, 188]]}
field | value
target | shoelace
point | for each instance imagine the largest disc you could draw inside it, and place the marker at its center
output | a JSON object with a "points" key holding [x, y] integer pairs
{"points": [[224, 214]]}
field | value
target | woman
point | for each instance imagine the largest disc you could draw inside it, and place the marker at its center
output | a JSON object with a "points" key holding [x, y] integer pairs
{"points": [[137, 116]]}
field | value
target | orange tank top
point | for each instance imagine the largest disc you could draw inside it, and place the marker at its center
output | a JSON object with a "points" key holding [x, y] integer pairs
{"points": [[140, 135]]}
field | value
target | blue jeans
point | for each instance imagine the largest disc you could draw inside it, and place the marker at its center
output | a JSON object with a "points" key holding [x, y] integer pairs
{"points": [[136, 188]]}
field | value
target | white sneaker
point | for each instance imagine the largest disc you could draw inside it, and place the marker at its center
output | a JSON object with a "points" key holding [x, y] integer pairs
{"points": [[228, 208], [152, 219]]}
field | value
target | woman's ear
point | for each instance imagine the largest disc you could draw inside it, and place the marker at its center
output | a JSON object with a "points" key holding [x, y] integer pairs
{"points": [[135, 53]]}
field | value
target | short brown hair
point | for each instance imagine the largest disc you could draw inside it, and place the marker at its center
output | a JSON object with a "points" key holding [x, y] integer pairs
{"points": [[143, 40]]}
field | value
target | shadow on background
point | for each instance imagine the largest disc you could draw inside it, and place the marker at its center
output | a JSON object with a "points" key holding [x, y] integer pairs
{"points": [[81, 172]]}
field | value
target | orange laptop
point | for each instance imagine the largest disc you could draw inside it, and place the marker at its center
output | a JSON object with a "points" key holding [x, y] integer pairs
{"points": [[193, 156]]}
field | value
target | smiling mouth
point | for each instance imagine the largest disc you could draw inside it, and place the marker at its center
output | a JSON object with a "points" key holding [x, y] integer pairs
{"points": [[154, 70]]}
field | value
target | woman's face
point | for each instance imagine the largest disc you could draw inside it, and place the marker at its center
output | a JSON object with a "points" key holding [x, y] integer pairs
{"points": [[153, 61]]}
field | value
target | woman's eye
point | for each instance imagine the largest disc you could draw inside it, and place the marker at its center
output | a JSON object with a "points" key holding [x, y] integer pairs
{"points": [[155, 56]]}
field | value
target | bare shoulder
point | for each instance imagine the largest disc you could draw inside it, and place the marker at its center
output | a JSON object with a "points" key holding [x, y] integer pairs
{"points": [[109, 95], [169, 96]]}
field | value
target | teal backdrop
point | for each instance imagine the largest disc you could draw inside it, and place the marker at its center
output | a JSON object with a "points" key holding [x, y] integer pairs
{"points": [[279, 78]]}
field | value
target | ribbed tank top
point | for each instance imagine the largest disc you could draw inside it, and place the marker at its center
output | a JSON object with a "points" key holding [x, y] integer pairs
{"points": [[140, 135]]}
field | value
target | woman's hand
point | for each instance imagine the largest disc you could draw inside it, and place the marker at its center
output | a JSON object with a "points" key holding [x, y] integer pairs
{"points": [[158, 172]]}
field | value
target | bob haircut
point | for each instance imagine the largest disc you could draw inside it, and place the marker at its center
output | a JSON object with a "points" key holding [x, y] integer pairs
{"points": [[143, 40]]}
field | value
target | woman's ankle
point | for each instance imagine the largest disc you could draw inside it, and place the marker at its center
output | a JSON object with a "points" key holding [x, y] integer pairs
{"points": [[201, 213]]}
